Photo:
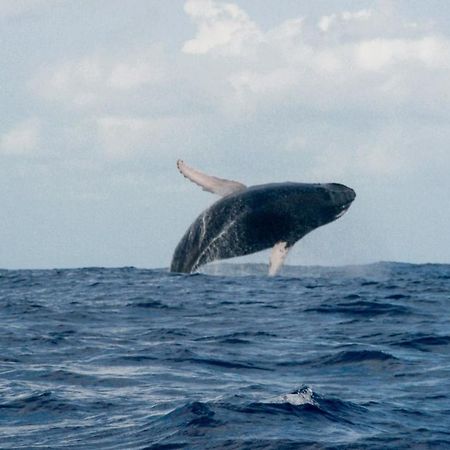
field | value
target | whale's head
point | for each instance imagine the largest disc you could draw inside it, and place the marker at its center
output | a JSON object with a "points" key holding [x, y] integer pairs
{"points": [[313, 205], [337, 199]]}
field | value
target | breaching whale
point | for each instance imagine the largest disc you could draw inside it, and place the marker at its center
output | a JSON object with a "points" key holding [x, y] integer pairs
{"points": [[250, 219]]}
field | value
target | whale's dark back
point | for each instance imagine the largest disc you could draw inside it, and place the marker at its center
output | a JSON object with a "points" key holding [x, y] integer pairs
{"points": [[256, 218]]}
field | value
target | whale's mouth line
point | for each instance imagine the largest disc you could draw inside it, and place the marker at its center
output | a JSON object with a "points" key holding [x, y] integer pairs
{"points": [[347, 205], [343, 209]]}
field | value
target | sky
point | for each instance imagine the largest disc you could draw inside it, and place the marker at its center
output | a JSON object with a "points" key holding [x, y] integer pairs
{"points": [[99, 98]]}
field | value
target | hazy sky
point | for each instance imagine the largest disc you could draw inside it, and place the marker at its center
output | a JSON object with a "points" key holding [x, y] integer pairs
{"points": [[100, 97]]}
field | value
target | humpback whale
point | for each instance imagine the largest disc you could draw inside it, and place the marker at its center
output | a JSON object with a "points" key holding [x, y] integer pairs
{"points": [[250, 219]]}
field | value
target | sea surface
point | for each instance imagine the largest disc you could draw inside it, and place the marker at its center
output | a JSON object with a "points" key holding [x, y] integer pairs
{"points": [[318, 358]]}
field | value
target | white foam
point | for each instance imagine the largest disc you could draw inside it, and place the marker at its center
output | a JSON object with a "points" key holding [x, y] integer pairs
{"points": [[303, 396]]}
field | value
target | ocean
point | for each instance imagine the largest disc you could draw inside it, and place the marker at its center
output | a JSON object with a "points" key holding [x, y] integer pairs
{"points": [[351, 357]]}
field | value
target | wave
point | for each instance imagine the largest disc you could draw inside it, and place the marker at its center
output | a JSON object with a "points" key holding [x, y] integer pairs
{"points": [[47, 402], [37, 402], [224, 363], [207, 419], [397, 296], [356, 356], [239, 337], [362, 308], [131, 358], [344, 358], [151, 304], [424, 342]]}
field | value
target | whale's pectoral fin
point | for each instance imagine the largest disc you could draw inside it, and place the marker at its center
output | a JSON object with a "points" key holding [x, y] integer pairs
{"points": [[279, 253], [210, 184]]}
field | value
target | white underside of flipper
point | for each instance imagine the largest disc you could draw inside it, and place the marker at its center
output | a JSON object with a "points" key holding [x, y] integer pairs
{"points": [[211, 184], [277, 257]]}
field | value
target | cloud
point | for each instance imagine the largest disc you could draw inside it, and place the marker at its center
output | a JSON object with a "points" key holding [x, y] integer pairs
{"points": [[14, 8], [307, 79], [221, 26], [427, 52], [362, 14], [327, 22], [135, 74], [124, 137], [88, 80], [294, 65], [75, 81], [22, 139], [366, 66]]}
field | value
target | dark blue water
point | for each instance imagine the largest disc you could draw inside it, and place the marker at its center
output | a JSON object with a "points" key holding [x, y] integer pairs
{"points": [[320, 358]]}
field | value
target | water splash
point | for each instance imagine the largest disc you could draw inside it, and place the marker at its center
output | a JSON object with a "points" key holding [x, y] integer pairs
{"points": [[301, 396]]}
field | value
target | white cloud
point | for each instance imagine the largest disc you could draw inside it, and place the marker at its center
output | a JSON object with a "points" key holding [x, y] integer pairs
{"points": [[14, 8], [381, 153], [362, 14], [221, 26], [372, 65], [325, 22], [296, 66], [276, 80], [347, 66], [76, 81], [135, 74], [429, 52], [333, 20], [22, 139], [84, 82], [123, 137], [297, 143]]}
